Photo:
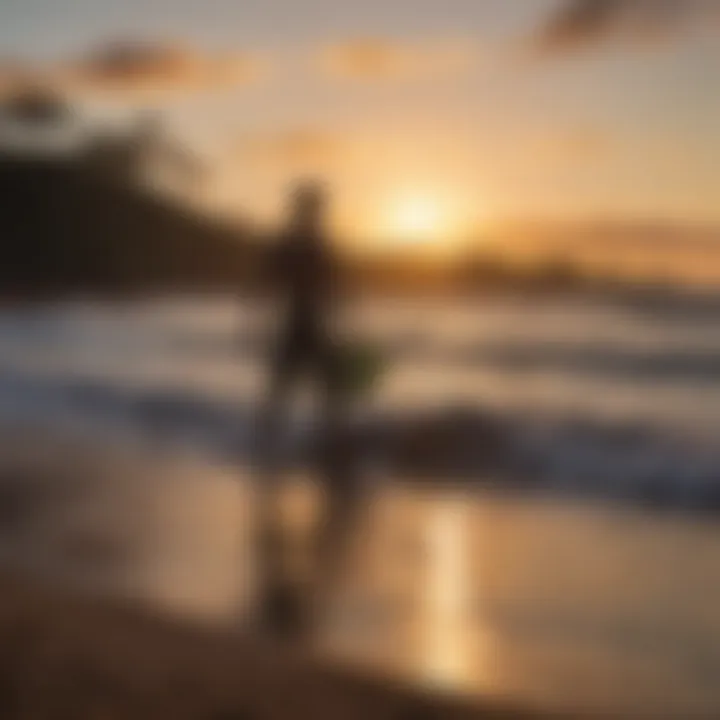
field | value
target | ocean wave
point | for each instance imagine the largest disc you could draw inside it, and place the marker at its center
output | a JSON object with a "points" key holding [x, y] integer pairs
{"points": [[534, 453]]}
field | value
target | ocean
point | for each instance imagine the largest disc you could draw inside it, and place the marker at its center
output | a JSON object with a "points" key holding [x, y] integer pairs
{"points": [[577, 568]]}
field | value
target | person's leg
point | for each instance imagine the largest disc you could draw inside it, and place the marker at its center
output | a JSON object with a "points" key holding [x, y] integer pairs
{"points": [[338, 469], [284, 367]]}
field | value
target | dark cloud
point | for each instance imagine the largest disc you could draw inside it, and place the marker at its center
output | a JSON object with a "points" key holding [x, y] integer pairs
{"points": [[583, 23]]}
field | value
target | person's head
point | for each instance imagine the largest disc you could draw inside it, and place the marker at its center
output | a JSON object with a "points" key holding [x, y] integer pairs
{"points": [[308, 203]]}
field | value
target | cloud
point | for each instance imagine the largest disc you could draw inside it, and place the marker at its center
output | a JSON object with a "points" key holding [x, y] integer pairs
{"points": [[571, 144], [534, 151], [131, 68], [378, 60], [298, 147], [580, 24]]}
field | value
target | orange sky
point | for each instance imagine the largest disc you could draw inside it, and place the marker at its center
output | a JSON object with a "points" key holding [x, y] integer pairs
{"points": [[426, 116]]}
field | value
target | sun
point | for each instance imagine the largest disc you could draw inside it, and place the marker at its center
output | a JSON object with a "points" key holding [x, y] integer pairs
{"points": [[416, 218], [413, 218], [434, 221]]}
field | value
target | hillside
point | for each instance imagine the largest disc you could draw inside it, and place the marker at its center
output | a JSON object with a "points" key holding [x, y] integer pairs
{"points": [[66, 227]]}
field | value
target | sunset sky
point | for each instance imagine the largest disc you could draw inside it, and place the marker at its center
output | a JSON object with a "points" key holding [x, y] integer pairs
{"points": [[422, 113]]}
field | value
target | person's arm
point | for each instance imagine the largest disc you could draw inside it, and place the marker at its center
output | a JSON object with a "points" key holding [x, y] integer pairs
{"points": [[340, 278], [268, 268]]}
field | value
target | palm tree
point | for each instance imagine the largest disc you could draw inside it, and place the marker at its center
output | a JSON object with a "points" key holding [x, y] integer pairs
{"points": [[143, 155], [157, 152]]}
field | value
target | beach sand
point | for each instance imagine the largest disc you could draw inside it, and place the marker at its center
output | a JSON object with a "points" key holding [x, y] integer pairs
{"points": [[101, 618], [67, 655]]}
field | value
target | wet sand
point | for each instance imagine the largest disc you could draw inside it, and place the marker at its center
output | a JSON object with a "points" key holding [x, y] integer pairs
{"points": [[551, 606], [86, 629]]}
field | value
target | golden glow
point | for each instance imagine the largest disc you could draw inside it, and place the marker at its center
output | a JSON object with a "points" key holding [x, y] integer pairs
{"points": [[414, 219]]}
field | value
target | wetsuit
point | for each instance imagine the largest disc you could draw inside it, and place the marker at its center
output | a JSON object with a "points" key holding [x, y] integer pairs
{"points": [[303, 274]]}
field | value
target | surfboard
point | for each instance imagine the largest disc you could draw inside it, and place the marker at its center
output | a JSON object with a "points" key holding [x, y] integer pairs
{"points": [[363, 366]]}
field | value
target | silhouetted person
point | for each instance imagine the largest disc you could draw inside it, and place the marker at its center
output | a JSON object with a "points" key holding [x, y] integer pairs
{"points": [[302, 274]]}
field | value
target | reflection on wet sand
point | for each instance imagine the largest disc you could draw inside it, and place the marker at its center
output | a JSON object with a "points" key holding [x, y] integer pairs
{"points": [[556, 606], [446, 574]]}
